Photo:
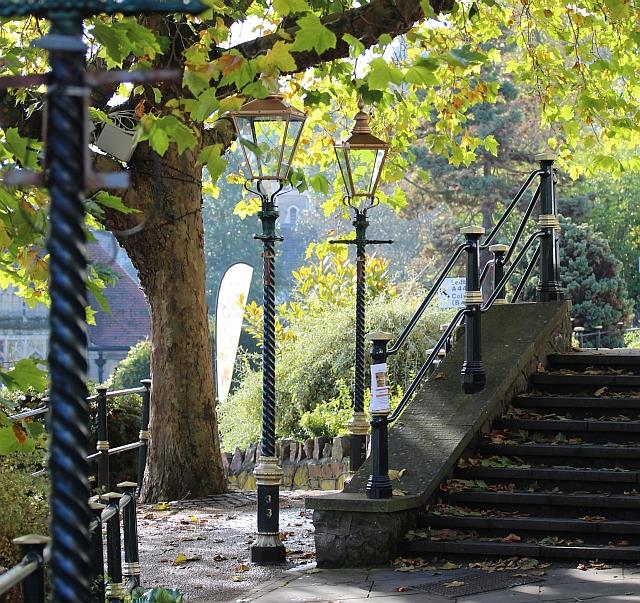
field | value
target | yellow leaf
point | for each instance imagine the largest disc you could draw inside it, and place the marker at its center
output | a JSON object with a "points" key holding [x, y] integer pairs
{"points": [[278, 59], [162, 506], [454, 584]]}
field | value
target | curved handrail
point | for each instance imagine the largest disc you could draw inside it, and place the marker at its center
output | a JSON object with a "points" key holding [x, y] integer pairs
{"points": [[510, 207], [23, 569], [425, 367], [526, 275], [427, 300], [508, 273]]}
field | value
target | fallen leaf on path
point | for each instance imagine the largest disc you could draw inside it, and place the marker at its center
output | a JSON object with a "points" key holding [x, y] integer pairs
{"points": [[182, 558], [454, 584]]}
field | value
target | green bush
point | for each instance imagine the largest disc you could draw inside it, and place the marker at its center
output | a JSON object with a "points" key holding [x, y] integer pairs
{"points": [[133, 368], [313, 368], [23, 501], [592, 278]]}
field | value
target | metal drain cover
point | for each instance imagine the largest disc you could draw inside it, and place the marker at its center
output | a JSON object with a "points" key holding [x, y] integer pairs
{"points": [[475, 583]]}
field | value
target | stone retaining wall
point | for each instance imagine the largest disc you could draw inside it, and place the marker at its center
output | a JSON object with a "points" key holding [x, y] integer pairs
{"points": [[315, 464]]}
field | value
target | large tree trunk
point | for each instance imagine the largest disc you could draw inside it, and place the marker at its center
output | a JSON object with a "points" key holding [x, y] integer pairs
{"points": [[184, 456]]}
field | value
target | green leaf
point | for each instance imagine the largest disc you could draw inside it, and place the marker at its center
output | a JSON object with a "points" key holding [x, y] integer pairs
{"points": [[211, 156], [319, 184], [161, 132], [422, 72], [356, 47], [114, 202], [25, 375], [381, 74], [286, 7], [313, 35]]}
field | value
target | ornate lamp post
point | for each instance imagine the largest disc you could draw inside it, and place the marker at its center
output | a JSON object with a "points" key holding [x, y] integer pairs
{"points": [[361, 158], [268, 133], [66, 176]]}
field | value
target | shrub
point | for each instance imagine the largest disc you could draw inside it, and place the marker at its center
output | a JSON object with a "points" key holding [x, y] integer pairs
{"points": [[313, 368], [133, 368], [23, 502]]}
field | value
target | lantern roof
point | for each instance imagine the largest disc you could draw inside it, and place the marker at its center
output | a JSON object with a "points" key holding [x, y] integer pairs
{"points": [[361, 135], [273, 105]]}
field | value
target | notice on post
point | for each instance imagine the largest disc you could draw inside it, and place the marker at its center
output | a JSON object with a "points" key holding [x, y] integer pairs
{"points": [[379, 388]]}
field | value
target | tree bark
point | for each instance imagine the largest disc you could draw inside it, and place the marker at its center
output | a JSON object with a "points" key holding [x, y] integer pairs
{"points": [[184, 456]]}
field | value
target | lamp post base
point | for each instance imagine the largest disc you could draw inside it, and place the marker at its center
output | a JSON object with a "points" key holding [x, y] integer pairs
{"points": [[379, 486], [268, 550], [473, 377]]}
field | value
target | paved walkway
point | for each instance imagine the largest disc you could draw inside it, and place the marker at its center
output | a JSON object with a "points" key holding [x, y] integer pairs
{"points": [[560, 584]]}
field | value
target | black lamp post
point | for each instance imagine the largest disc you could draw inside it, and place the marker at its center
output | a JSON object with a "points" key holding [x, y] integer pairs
{"points": [[268, 133], [361, 158], [66, 175]]}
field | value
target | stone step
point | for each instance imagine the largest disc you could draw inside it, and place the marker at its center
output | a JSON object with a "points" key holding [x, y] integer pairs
{"points": [[631, 427], [604, 358], [583, 451], [517, 549], [544, 499], [550, 473], [604, 404], [576, 383], [517, 525]]}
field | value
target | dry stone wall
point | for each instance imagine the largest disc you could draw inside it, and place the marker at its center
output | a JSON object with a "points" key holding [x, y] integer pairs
{"points": [[316, 464]]}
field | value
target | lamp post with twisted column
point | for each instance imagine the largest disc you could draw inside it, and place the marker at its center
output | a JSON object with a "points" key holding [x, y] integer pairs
{"points": [[66, 177], [268, 133], [361, 158]]}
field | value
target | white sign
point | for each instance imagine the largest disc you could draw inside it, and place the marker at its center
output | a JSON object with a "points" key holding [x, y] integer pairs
{"points": [[451, 293], [379, 388], [232, 297]]}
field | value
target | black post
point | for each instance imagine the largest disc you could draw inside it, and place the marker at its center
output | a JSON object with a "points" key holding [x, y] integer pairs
{"points": [[65, 152], [32, 547], [598, 329], [268, 549], [115, 588], [103, 442], [379, 484], [144, 432], [499, 252], [130, 533], [549, 288], [579, 331], [97, 575], [472, 375]]}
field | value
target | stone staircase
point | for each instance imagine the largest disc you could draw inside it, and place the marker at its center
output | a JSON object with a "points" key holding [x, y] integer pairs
{"points": [[556, 476]]}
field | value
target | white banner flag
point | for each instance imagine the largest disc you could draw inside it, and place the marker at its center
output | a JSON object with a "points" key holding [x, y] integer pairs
{"points": [[232, 297], [379, 388]]}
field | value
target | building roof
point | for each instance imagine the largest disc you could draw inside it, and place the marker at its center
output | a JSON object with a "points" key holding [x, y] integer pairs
{"points": [[128, 322]]}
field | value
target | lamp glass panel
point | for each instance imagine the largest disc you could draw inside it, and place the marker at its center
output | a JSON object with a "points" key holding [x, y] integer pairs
{"points": [[364, 165], [290, 145], [342, 162], [262, 138]]}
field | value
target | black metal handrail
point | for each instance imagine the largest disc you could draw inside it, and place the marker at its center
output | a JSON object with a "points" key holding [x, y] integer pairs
{"points": [[104, 450], [31, 562]]}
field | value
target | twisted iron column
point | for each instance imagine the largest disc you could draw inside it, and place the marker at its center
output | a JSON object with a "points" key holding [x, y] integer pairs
{"points": [[358, 424], [68, 467], [268, 548]]}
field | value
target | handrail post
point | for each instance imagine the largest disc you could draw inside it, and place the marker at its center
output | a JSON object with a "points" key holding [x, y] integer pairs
{"points": [[549, 288], [473, 377], [97, 576], [103, 442], [130, 531], [579, 331], [499, 252], [599, 329], [379, 484], [115, 588], [144, 432], [32, 547]]}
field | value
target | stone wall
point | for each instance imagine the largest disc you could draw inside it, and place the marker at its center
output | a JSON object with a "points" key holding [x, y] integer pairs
{"points": [[315, 464]]}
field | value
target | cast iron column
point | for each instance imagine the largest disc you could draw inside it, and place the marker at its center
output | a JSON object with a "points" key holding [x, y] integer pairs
{"points": [[499, 252], [358, 424], [549, 288], [68, 467], [268, 548], [32, 548], [379, 484], [472, 376]]}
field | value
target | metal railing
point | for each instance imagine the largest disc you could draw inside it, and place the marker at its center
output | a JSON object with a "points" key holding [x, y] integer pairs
{"points": [[106, 508], [473, 375]]}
